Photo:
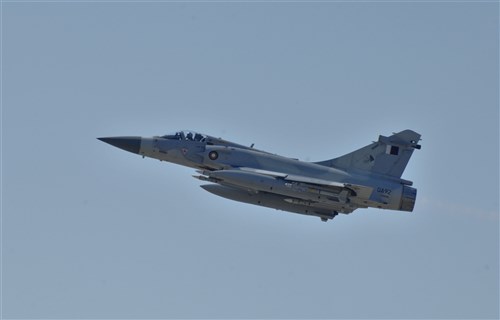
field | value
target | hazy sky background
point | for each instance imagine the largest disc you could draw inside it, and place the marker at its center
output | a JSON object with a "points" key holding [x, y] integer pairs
{"points": [[91, 231]]}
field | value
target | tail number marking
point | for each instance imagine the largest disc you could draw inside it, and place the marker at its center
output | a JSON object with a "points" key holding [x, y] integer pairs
{"points": [[384, 191]]}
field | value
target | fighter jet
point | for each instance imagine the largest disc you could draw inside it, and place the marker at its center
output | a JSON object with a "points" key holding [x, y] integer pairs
{"points": [[367, 177]]}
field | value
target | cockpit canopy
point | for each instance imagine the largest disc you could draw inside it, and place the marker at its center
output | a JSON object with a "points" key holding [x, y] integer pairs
{"points": [[186, 135]]}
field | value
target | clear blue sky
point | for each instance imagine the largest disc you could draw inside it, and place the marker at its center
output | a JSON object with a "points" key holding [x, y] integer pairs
{"points": [[90, 231]]}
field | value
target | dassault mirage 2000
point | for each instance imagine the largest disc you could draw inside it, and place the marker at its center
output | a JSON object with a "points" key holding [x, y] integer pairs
{"points": [[368, 177]]}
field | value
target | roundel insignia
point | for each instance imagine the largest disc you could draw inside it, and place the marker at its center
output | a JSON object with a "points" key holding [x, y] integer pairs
{"points": [[184, 151], [213, 155]]}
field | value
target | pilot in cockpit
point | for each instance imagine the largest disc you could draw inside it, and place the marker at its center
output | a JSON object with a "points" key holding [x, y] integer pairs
{"points": [[197, 137]]}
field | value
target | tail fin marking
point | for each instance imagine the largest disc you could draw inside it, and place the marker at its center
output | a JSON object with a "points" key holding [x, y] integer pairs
{"points": [[388, 156]]}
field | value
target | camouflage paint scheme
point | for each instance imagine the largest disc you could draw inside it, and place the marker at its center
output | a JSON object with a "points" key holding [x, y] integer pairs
{"points": [[367, 177]]}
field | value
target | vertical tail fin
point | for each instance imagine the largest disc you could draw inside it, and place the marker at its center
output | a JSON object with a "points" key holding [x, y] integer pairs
{"points": [[388, 156]]}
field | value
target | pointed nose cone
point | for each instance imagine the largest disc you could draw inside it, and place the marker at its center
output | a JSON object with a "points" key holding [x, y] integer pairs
{"points": [[131, 144]]}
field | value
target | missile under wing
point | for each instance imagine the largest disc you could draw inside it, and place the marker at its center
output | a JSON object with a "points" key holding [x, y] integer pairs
{"points": [[367, 177]]}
